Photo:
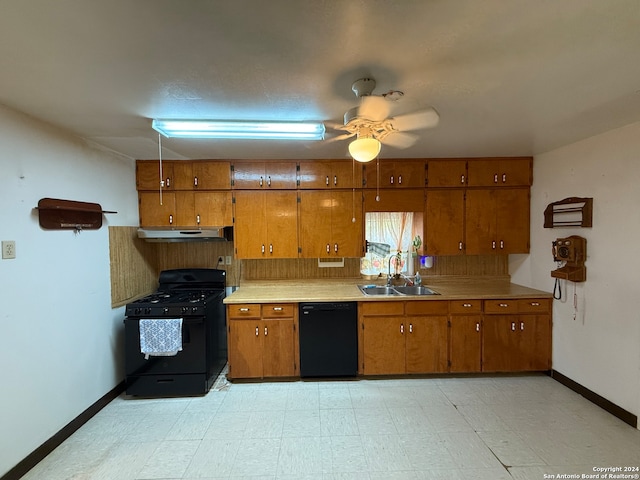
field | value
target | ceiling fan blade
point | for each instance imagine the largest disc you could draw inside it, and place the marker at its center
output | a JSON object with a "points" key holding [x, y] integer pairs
{"points": [[339, 137], [398, 139], [334, 125], [373, 108], [415, 121]]}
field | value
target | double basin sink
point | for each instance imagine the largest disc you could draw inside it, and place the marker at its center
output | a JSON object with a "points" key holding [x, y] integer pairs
{"points": [[400, 290]]}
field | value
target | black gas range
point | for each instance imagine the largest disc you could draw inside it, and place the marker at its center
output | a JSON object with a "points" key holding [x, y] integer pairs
{"points": [[194, 296]]}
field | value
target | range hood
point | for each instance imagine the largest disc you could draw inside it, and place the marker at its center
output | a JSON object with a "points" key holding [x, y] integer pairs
{"points": [[211, 234]]}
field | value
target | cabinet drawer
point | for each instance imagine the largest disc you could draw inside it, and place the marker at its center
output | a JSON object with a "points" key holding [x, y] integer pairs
{"points": [[534, 305], [251, 310], [381, 308], [500, 306], [277, 310], [427, 308], [463, 307]]}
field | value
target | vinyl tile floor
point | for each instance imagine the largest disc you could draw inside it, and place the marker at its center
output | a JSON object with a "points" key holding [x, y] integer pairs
{"points": [[479, 428]]}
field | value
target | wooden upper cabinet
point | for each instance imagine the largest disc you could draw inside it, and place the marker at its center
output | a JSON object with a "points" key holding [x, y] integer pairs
{"points": [[148, 175], [444, 222], [500, 172], [155, 212], [391, 200], [407, 173], [318, 174], [265, 175], [202, 175], [446, 173]]}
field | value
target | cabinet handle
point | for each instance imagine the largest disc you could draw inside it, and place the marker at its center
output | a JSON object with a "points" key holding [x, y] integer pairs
{"points": [[262, 248], [271, 248], [402, 328], [243, 309], [261, 181], [257, 331], [513, 326], [170, 219], [467, 305], [411, 328], [335, 180], [503, 305], [328, 248], [335, 248], [269, 181], [391, 179], [462, 179], [327, 180], [495, 178], [195, 181], [399, 179], [265, 331], [477, 326], [493, 245], [535, 304], [197, 219], [522, 326], [504, 178], [460, 246], [277, 309], [502, 244], [168, 182]]}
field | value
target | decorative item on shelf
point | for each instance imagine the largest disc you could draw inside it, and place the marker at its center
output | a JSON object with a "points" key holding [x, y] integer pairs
{"points": [[570, 212], [56, 214]]}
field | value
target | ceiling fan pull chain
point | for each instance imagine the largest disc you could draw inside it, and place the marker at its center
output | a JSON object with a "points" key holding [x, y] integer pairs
{"points": [[160, 162], [378, 179], [353, 190]]}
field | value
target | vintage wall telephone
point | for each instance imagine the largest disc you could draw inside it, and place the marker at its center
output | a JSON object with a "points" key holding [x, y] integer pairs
{"points": [[572, 251]]}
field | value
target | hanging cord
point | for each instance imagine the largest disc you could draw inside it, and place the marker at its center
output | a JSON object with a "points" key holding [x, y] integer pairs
{"points": [[575, 302], [160, 159], [353, 184], [377, 179], [557, 290]]}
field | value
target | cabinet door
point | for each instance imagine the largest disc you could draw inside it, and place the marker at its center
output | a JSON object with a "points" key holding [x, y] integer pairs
{"points": [[347, 237], [278, 348], [211, 175], [213, 209], [512, 220], [346, 174], [395, 174], [148, 175], [245, 349], [250, 230], [480, 222], [264, 175], [383, 345], [465, 343], [248, 175], [501, 349], [426, 344], [315, 223], [315, 175], [444, 222], [499, 172], [153, 213], [281, 210], [535, 342], [446, 173]]}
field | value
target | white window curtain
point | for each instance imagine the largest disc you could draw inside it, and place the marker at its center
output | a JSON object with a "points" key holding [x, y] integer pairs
{"points": [[389, 228]]}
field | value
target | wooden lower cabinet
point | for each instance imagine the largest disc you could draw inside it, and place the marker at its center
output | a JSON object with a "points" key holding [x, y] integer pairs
{"points": [[465, 336], [403, 337], [517, 335], [262, 340]]}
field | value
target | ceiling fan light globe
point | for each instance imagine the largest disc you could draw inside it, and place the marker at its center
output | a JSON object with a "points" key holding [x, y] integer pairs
{"points": [[364, 149]]}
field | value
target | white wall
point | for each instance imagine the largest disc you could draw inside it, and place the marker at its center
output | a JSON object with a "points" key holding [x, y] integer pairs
{"points": [[600, 349], [60, 341]]}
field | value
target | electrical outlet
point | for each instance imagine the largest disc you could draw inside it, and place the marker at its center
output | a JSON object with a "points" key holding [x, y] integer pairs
{"points": [[228, 260], [8, 249]]}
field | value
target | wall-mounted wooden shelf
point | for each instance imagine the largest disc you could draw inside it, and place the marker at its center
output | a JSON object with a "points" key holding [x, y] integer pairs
{"points": [[56, 214], [570, 212]]}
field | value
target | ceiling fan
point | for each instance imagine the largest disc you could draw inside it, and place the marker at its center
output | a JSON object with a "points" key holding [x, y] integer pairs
{"points": [[370, 124]]}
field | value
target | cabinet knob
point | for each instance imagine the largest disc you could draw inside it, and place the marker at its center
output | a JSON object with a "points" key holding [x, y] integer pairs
{"points": [[462, 179], [535, 304], [504, 178], [495, 178], [168, 182], [243, 309], [402, 328], [328, 248], [460, 246], [197, 219], [399, 179], [477, 326], [170, 219], [327, 181], [271, 248], [467, 305], [521, 326], [493, 245], [257, 331], [503, 305], [513, 326], [335, 248], [335, 180], [277, 309], [261, 181], [262, 248], [411, 328], [269, 181], [502, 244], [391, 180], [265, 331], [195, 181]]}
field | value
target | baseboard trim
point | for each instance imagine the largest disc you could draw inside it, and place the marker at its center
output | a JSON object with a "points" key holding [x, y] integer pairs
{"points": [[47, 447], [612, 408]]}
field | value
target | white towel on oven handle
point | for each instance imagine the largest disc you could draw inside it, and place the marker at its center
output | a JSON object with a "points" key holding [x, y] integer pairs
{"points": [[160, 336]]}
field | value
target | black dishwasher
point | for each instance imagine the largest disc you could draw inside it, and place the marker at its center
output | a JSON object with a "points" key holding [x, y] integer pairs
{"points": [[328, 339]]}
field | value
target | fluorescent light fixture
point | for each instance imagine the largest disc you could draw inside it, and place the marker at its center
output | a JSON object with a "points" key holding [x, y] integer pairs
{"points": [[239, 130]]}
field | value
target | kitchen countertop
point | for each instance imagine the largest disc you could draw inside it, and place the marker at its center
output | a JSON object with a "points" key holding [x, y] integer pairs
{"points": [[346, 290]]}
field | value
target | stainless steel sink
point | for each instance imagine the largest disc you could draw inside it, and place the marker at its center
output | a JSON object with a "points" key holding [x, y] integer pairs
{"points": [[390, 291], [377, 290], [415, 290]]}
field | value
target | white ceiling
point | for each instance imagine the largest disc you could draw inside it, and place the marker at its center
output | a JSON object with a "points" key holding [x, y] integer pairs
{"points": [[508, 77]]}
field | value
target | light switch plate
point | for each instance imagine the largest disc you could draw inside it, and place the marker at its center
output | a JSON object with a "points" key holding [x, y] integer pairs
{"points": [[8, 249]]}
